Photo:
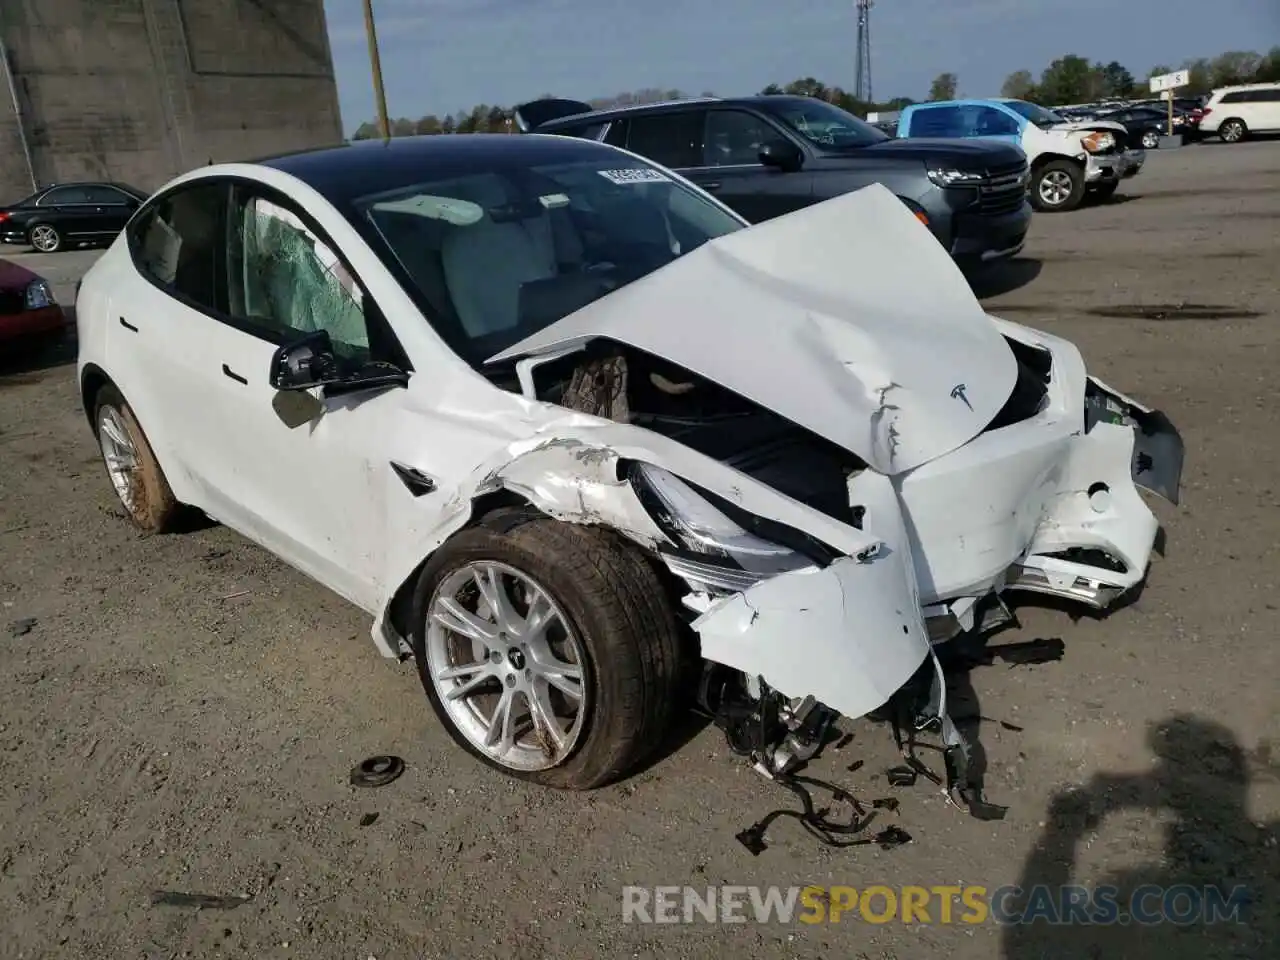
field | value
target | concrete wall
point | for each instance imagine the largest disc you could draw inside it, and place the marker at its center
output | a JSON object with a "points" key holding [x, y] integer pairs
{"points": [[140, 90]]}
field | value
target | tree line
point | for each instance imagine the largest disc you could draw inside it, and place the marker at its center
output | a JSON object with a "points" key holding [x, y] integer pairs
{"points": [[1069, 79]]}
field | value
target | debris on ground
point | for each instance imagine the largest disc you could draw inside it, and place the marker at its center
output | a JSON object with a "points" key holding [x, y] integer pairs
{"points": [[205, 901], [20, 628], [367, 819], [376, 771]]}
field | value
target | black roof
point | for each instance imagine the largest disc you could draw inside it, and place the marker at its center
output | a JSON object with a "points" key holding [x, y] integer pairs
{"points": [[760, 100], [345, 172]]}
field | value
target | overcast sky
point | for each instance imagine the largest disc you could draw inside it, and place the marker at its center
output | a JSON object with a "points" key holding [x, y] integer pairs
{"points": [[441, 56]]}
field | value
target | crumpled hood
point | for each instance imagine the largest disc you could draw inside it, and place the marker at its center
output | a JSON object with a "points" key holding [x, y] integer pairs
{"points": [[846, 317]]}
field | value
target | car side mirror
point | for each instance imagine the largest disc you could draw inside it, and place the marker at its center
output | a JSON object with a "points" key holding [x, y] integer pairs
{"points": [[306, 362], [310, 361], [781, 155]]}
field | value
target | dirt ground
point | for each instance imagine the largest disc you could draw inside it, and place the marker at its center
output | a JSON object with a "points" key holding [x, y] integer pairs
{"points": [[184, 710]]}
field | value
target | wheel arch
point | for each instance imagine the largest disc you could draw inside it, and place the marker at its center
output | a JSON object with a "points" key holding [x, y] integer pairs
{"points": [[501, 509], [1044, 159], [1233, 119], [92, 379]]}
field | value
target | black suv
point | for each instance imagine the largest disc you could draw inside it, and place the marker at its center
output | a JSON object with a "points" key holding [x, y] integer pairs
{"points": [[65, 213], [765, 156]]}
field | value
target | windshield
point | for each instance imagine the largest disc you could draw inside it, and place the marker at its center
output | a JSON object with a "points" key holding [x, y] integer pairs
{"points": [[494, 256], [825, 124], [1035, 113]]}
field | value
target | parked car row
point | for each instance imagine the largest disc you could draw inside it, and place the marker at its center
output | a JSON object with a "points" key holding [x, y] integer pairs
{"points": [[765, 156], [1231, 113]]}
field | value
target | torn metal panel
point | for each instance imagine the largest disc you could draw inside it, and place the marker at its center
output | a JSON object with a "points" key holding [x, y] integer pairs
{"points": [[849, 635], [803, 299]]}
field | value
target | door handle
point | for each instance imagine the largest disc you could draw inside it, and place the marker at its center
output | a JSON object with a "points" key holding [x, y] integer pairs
{"points": [[127, 325], [233, 375], [713, 186]]}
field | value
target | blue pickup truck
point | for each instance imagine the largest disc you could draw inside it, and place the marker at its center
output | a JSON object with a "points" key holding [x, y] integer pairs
{"points": [[1069, 160]]}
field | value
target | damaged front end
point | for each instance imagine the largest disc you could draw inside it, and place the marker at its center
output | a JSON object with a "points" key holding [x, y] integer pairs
{"points": [[835, 481]]}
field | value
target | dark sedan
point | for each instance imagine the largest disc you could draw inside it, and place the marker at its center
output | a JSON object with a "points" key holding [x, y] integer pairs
{"points": [[1146, 125], [69, 213]]}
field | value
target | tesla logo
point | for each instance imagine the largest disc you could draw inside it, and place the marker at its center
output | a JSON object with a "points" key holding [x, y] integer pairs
{"points": [[957, 393]]}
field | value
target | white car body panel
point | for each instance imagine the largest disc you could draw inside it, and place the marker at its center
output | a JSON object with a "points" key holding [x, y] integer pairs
{"points": [[839, 329]]}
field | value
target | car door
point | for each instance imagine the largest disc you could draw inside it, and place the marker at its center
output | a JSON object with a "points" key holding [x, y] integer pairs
{"points": [[68, 209], [309, 466], [112, 209], [731, 167], [164, 345]]}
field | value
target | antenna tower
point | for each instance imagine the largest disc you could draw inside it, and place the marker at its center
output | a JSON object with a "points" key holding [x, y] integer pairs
{"points": [[862, 86]]}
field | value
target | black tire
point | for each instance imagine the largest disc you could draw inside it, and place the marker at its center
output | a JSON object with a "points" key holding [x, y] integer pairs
{"points": [[36, 236], [1061, 172], [635, 655], [155, 509], [1233, 130]]}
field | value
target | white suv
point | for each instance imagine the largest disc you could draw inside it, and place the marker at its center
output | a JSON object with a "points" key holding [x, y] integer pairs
{"points": [[1233, 113]]}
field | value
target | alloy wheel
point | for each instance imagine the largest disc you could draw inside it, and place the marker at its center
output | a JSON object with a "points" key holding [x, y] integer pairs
{"points": [[1232, 131], [1055, 188], [506, 665], [121, 456], [44, 238], [1150, 140]]}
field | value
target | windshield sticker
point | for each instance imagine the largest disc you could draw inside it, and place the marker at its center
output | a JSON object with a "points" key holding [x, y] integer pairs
{"points": [[634, 175]]}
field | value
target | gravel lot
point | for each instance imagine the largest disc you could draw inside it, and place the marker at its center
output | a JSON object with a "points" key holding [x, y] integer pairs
{"points": [[184, 711]]}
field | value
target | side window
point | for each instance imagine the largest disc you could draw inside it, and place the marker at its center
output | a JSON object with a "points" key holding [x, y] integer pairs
{"points": [[991, 122], [589, 132], [734, 138], [178, 243], [105, 196], [1267, 96], [65, 196], [671, 139], [938, 122], [286, 281], [1236, 97], [617, 135]]}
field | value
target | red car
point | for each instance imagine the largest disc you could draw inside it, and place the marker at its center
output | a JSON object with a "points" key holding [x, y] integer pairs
{"points": [[29, 315]]}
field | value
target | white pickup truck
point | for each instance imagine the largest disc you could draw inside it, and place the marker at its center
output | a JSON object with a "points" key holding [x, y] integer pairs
{"points": [[1068, 159]]}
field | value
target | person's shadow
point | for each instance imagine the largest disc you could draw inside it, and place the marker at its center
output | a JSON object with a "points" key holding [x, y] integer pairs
{"points": [[1199, 786]]}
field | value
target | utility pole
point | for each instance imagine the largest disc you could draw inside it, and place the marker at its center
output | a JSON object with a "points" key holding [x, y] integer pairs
{"points": [[384, 125], [862, 86]]}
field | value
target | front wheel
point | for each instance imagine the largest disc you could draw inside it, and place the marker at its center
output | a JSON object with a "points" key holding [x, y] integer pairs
{"points": [[1151, 140], [549, 650], [1057, 186]]}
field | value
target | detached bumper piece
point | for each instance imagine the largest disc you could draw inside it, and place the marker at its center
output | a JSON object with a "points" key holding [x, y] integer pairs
{"points": [[1158, 450]]}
